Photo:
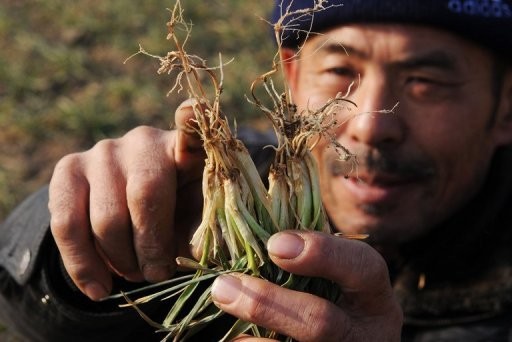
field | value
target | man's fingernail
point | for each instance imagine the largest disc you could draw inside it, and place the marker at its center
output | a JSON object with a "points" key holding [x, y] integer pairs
{"points": [[285, 245], [95, 291], [225, 289], [156, 273]]}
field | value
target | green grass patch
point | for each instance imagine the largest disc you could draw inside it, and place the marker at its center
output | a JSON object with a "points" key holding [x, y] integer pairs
{"points": [[64, 86]]}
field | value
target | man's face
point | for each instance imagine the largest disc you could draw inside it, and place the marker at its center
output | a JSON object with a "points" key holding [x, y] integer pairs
{"points": [[419, 164]]}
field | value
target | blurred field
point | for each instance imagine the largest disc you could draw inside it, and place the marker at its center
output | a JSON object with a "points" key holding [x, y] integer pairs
{"points": [[64, 86]]}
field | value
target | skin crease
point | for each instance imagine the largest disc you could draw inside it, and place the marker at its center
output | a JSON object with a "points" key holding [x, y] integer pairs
{"points": [[439, 128]]}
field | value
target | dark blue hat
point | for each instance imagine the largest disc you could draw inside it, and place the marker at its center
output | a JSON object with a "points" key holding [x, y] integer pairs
{"points": [[486, 22]]}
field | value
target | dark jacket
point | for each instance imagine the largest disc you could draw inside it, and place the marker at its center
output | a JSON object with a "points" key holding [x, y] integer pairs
{"points": [[454, 285]]}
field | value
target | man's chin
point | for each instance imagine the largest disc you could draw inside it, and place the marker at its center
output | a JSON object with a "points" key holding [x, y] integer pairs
{"points": [[380, 229]]}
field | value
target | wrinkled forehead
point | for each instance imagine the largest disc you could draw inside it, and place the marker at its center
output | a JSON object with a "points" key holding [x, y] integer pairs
{"points": [[396, 42]]}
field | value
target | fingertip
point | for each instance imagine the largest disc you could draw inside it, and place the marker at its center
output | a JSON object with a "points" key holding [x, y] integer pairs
{"points": [[92, 277], [95, 291], [188, 103], [184, 113], [226, 289], [285, 245]]}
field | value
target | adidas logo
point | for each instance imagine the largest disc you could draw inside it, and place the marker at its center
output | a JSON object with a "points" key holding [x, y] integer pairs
{"points": [[482, 8]]}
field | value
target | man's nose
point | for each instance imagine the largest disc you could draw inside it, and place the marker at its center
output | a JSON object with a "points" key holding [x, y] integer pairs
{"points": [[377, 122]]}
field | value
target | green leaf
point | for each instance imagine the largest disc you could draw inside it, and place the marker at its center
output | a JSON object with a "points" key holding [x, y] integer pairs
{"points": [[238, 328]]}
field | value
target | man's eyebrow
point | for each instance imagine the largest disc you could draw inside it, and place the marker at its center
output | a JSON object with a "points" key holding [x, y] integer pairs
{"points": [[436, 59], [330, 47]]}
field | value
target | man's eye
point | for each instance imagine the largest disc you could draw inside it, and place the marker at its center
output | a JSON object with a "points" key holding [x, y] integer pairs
{"points": [[426, 88], [423, 80], [434, 81], [342, 71]]}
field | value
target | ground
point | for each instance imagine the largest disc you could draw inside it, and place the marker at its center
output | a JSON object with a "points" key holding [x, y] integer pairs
{"points": [[64, 83]]}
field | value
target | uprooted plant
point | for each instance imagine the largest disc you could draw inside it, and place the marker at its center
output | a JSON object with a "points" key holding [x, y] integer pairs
{"points": [[239, 212]]}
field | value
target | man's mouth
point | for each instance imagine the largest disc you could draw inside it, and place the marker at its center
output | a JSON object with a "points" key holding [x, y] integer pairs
{"points": [[378, 188], [378, 178]]}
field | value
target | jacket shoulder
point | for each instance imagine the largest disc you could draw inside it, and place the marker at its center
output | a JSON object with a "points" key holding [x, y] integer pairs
{"points": [[22, 234]]}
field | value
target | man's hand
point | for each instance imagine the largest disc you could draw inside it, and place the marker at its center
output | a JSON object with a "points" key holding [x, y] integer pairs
{"points": [[127, 205], [367, 312]]}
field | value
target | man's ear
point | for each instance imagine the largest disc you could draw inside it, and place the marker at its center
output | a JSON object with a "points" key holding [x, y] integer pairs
{"points": [[504, 114], [291, 67]]}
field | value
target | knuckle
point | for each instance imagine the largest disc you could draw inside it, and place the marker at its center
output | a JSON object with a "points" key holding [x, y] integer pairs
{"points": [[107, 207], [373, 267], [141, 195], [152, 143], [318, 318], [103, 158], [61, 226], [68, 162], [147, 179], [154, 254], [361, 261], [106, 217], [68, 169], [141, 132], [104, 147], [151, 243], [147, 190], [326, 254], [357, 256], [259, 306], [150, 252], [77, 271]]}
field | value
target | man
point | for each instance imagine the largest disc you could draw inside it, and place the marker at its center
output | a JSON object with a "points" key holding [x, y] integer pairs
{"points": [[432, 187]]}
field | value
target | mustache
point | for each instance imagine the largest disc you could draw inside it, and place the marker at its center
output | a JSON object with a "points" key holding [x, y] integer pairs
{"points": [[382, 162]]}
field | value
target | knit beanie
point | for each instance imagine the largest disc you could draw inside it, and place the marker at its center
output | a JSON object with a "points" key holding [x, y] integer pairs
{"points": [[485, 22]]}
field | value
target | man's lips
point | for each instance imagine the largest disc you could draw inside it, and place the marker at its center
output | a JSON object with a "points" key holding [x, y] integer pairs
{"points": [[373, 188], [378, 177]]}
